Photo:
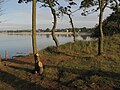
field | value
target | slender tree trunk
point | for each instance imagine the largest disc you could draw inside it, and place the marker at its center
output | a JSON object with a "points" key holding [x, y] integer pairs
{"points": [[54, 24], [34, 30], [100, 38], [73, 29]]}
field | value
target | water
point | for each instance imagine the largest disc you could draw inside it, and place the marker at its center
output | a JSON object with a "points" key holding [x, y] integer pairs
{"points": [[22, 44]]}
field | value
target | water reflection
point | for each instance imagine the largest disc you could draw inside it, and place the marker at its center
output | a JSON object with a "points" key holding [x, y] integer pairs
{"points": [[84, 37], [58, 35], [47, 36], [23, 43]]}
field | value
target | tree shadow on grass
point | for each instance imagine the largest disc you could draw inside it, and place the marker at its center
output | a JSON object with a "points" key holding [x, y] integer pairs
{"points": [[55, 51], [18, 83], [85, 75], [22, 68]]}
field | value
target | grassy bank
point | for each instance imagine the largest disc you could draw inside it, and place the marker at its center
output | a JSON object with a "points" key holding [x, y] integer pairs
{"points": [[71, 66]]}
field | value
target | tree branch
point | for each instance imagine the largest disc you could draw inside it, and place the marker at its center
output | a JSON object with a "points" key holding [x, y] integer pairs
{"points": [[105, 5]]}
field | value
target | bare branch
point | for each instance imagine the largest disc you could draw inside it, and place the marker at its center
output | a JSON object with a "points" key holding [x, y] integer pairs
{"points": [[105, 5], [75, 10]]}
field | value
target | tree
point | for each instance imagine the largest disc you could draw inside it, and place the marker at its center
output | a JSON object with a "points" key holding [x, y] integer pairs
{"points": [[100, 38], [67, 11], [47, 30], [111, 25], [51, 4], [99, 5], [33, 29]]}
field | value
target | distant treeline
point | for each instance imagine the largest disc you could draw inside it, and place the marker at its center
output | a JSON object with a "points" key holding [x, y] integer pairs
{"points": [[84, 29], [10, 31]]}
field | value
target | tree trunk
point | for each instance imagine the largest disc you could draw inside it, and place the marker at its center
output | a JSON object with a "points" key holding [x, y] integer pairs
{"points": [[34, 30], [73, 29], [54, 24], [100, 38]]}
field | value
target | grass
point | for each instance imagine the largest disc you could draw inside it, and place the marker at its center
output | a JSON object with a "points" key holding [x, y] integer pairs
{"points": [[69, 67]]}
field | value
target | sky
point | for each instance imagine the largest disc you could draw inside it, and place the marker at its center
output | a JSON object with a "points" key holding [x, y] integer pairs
{"points": [[19, 17]]}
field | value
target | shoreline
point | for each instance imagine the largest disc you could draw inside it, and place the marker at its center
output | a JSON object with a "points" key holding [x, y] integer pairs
{"points": [[43, 33]]}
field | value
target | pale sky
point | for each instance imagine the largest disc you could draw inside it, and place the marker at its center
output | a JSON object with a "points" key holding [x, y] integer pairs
{"points": [[18, 16]]}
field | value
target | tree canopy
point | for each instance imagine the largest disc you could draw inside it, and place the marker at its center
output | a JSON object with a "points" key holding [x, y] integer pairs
{"points": [[91, 6], [111, 25]]}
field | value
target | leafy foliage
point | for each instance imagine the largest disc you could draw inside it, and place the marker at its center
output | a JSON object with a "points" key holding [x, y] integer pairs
{"points": [[111, 25], [91, 6]]}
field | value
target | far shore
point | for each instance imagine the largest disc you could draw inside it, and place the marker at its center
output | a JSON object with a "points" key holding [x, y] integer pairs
{"points": [[43, 33]]}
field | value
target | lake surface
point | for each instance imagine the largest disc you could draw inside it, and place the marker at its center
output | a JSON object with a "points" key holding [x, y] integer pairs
{"points": [[22, 44]]}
